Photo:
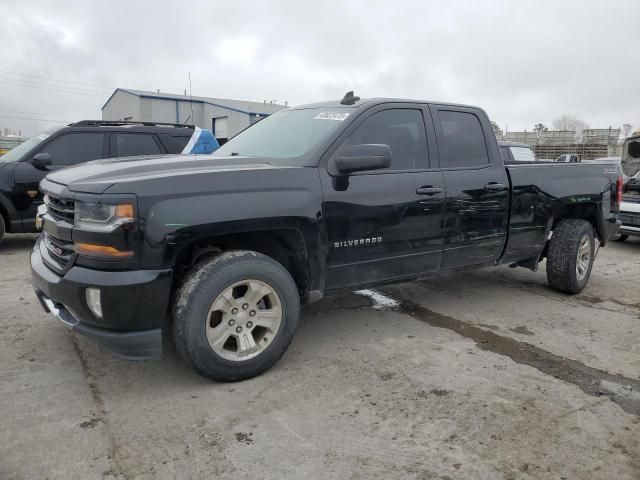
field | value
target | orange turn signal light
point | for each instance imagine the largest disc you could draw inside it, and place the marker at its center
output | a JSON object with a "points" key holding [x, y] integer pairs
{"points": [[124, 210], [101, 250]]}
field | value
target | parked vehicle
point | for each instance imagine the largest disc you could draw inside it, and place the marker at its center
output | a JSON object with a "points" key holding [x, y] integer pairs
{"points": [[630, 206], [514, 152], [569, 158], [309, 201], [22, 168]]}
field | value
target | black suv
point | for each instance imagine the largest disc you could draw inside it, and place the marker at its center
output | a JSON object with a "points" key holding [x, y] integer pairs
{"points": [[22, 168]]}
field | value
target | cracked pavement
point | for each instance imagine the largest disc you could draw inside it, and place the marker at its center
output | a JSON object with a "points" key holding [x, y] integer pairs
{"points": [[478, 375]]}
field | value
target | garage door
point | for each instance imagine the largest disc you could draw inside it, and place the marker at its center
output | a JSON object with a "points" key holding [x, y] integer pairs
{"points": [[221, 127]]}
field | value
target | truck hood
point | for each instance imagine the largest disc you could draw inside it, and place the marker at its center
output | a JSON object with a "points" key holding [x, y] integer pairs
{"points": [[100, 175]]}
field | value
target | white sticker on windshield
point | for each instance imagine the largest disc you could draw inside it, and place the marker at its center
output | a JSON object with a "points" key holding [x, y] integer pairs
{"points": [[340, 117]]}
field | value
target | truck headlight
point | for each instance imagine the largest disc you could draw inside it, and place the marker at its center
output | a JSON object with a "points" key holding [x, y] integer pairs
{"points": [[100, 217]]}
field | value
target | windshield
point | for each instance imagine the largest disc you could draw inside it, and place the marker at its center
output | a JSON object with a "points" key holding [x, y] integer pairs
{"points": [[286, 134], [522, 154], [16, 153]]}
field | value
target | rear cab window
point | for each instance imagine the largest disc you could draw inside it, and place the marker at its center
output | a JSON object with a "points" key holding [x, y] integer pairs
{"points": [[522, 154]]}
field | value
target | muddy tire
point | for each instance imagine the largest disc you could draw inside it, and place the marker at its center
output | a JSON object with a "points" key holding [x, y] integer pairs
{"points": [[235, 315], [570, 255]]}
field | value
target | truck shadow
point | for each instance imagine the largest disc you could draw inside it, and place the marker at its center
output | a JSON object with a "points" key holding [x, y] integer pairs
{"points": [[17, 244]]}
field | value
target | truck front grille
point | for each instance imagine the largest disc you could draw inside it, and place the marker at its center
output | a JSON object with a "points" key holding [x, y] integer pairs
{"points": [[59, 208], [60, 251]]}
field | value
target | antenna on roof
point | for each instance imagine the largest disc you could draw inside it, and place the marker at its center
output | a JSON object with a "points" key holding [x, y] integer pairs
{"points": [[349, 98], [191, 99]]}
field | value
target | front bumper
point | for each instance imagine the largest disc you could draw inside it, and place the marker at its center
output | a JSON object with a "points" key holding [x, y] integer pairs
{"points": [[134, 305]]}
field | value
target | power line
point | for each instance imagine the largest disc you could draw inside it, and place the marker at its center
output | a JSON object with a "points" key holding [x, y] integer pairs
{"points": [[52, 87], [62, 87], [40, 114], [36, 119], [101, 87]]}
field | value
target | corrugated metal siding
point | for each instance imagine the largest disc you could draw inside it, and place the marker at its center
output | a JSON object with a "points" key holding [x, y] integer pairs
{"points": [[236, 121], [159, 110], [121, 106], [244, 105]]}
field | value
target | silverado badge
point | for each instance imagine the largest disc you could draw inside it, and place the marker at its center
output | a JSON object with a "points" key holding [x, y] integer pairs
{"points": [[358, 242]]}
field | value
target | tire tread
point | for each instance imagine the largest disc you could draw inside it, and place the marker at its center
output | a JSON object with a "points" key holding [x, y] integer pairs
{"points": [[561, 255]]}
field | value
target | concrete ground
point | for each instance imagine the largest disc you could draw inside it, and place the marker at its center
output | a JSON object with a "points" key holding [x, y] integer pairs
{"points": [[481, 375]]}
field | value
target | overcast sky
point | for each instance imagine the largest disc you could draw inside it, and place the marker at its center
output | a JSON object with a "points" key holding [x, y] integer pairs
{"points": [[522, 61]]}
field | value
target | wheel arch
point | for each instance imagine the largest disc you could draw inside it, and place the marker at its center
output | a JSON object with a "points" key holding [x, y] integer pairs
{"points": [[589, 211], [287, 246], [4, 212]]}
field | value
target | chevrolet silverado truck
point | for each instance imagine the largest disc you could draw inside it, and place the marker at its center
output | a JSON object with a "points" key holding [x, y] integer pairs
{"points": [[218, 252]]}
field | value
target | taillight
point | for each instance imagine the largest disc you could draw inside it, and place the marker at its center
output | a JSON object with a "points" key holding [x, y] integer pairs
{"points": [[619, 185]]}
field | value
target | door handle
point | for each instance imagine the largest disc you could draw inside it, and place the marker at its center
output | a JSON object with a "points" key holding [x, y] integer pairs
{"points": [[494, 186], [428, 190]]}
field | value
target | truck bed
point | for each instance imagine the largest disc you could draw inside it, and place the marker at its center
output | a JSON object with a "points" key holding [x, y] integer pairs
{"points": [[539, 191]]}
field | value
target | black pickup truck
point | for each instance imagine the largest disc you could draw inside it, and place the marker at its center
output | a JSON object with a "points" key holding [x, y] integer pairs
{"points": [[218, 252]]}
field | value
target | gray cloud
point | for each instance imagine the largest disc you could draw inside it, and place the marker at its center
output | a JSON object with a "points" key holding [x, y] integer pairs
{"points": [[524, 62]]}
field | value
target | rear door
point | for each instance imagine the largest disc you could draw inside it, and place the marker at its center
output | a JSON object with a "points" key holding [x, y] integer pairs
{"points": [[477, 198], [385, 224]]}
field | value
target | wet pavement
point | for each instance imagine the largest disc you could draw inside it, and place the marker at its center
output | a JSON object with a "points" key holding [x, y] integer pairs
{"points": [[477, 375]]}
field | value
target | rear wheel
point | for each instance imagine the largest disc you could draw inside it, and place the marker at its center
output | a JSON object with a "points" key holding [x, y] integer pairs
{"points": [[570, 255], [2, 228], [235, 315]]}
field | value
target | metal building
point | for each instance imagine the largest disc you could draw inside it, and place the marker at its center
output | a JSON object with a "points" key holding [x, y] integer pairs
{"points": [[224, 117]]}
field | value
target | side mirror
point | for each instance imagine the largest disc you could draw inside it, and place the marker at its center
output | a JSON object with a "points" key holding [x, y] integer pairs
{"points": [[360, 158], [41, 160]]}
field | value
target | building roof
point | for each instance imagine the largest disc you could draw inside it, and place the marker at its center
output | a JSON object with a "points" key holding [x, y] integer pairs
{"points": [[242, 106]]}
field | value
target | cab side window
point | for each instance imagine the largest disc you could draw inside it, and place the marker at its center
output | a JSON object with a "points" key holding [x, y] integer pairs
{"points": [[403, 130], [461, 142], [74, 148]]}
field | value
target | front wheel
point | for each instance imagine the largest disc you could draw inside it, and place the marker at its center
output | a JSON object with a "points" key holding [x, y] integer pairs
{"points": [[235, 315], [570, 255]]}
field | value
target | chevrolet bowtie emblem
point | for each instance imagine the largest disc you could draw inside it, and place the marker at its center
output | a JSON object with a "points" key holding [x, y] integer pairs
{"points": [[32, 193]]}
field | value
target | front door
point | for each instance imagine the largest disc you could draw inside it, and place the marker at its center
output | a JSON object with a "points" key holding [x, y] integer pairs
{"points": [[66, 150], [477, 202], [387, 224]]}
